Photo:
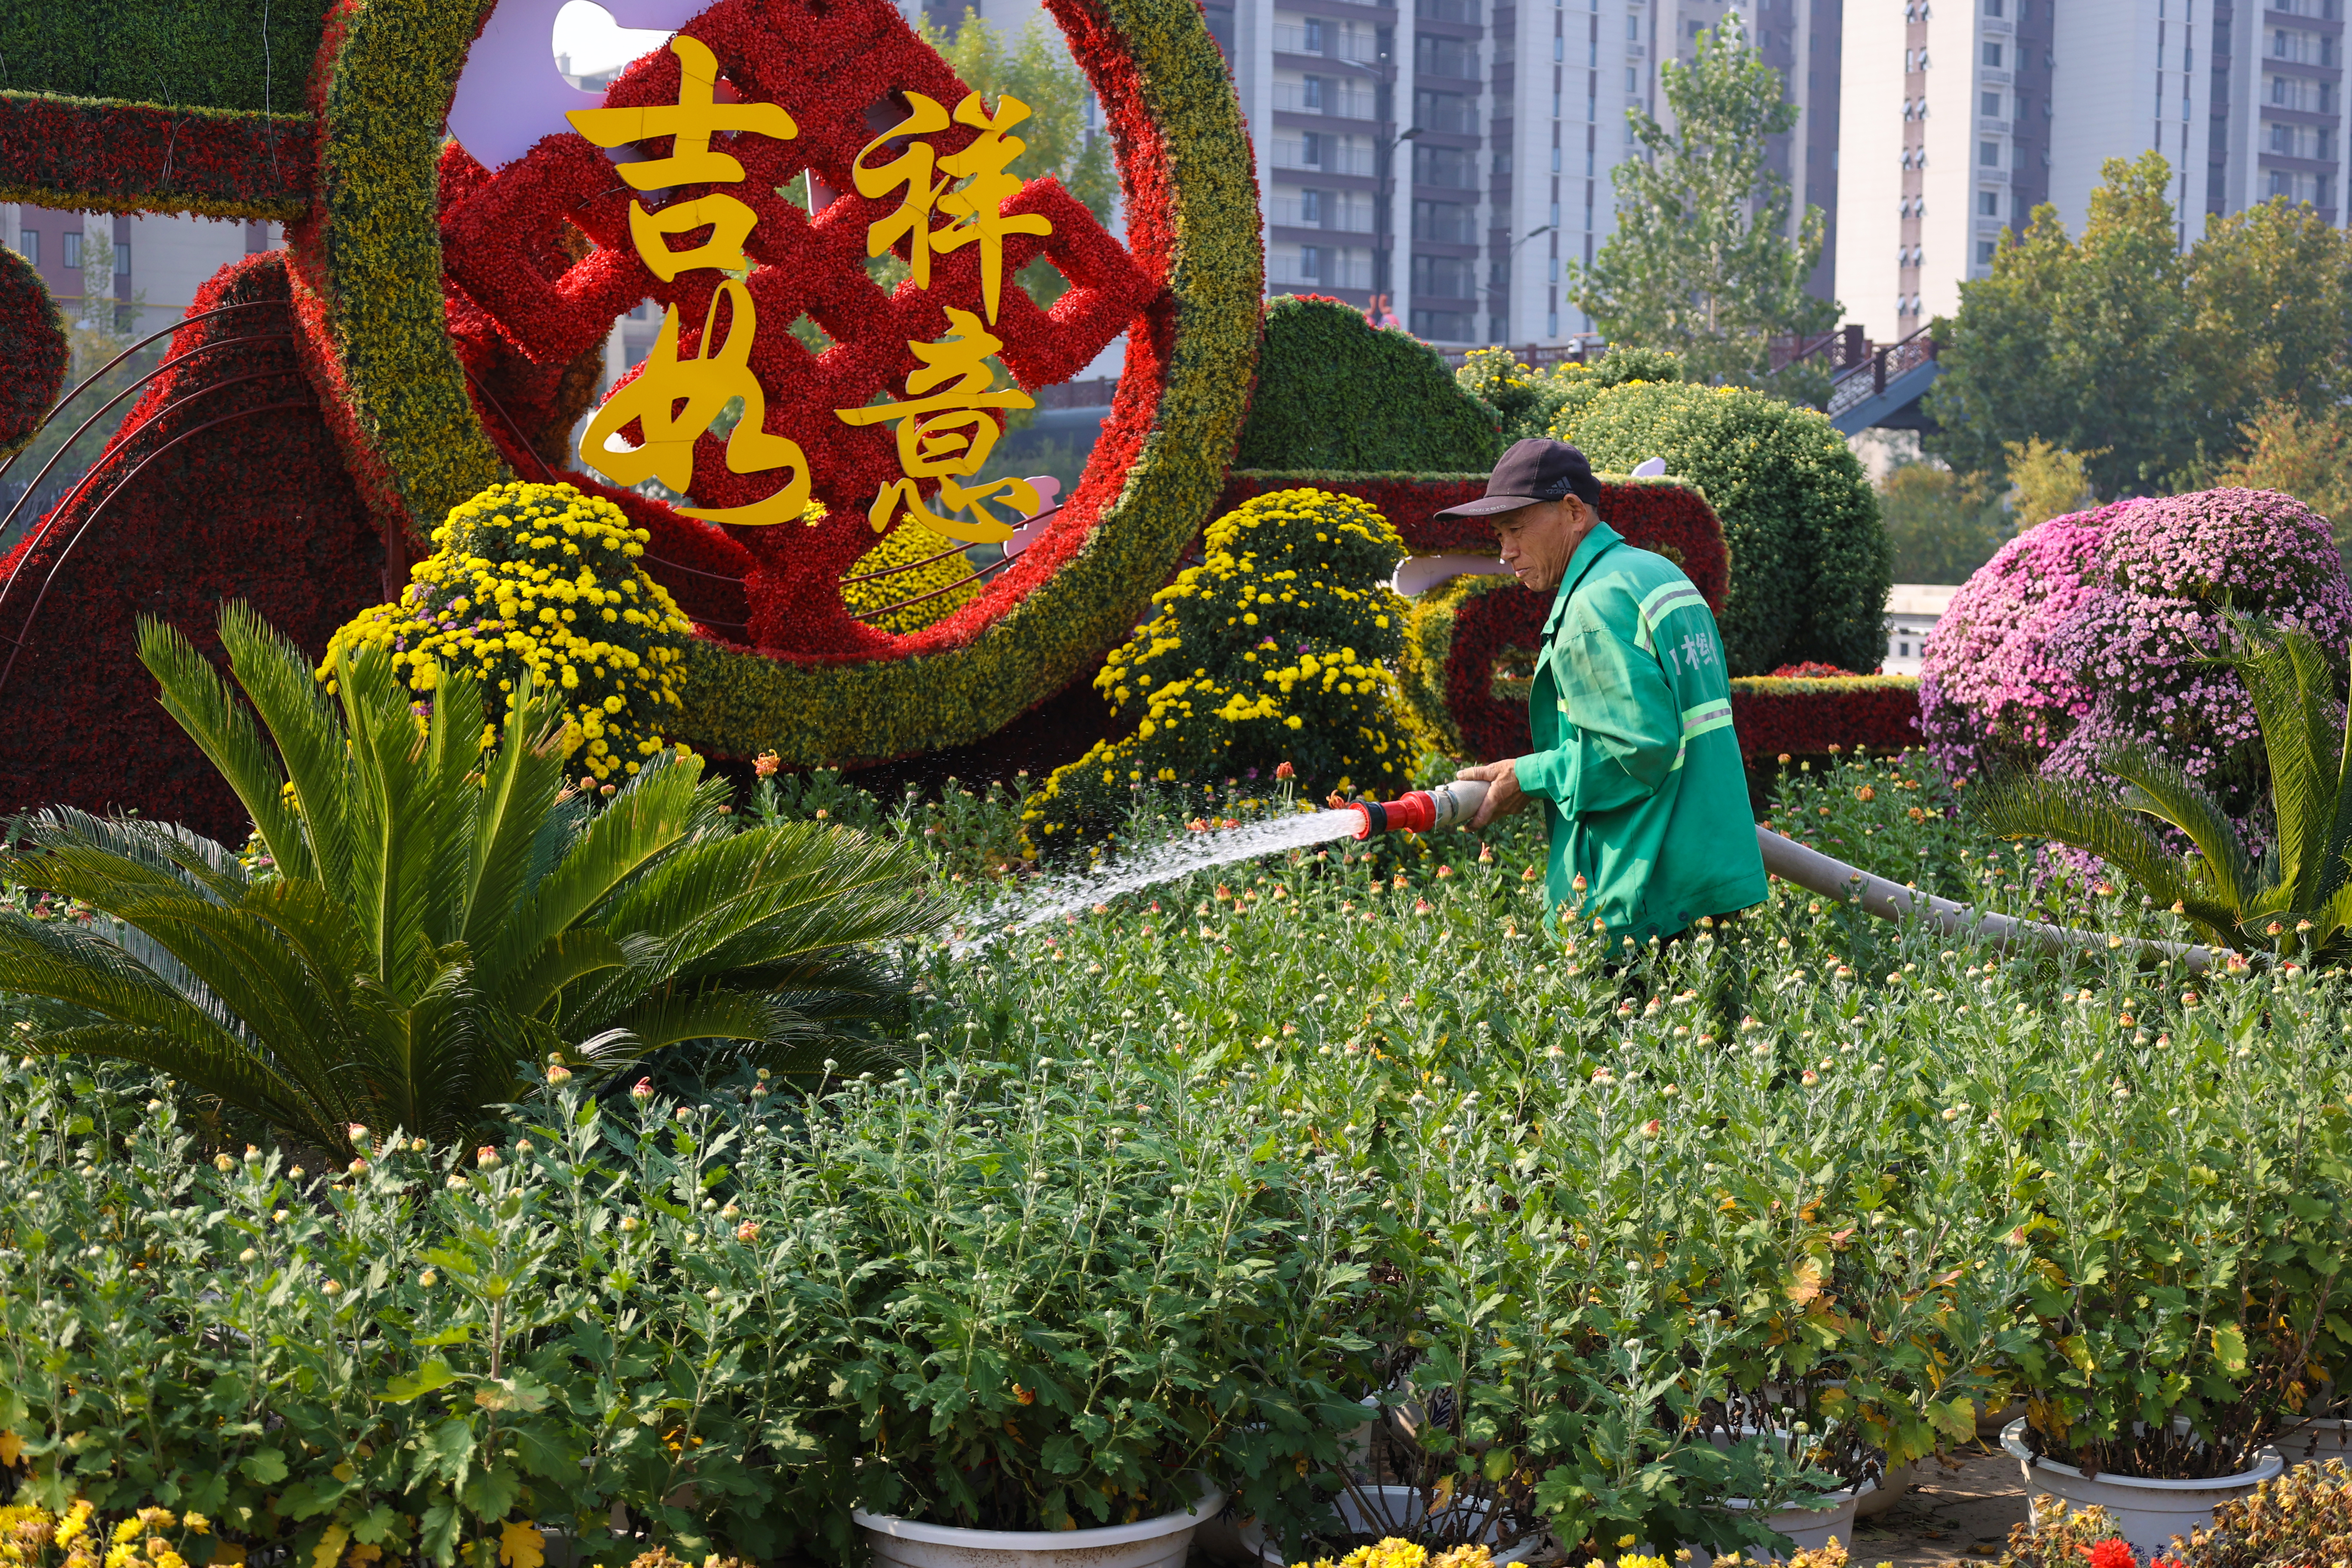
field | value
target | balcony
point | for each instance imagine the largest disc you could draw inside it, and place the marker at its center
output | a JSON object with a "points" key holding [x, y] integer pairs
{"points": [[1334, 98], [1289, 38], [1326, 270], [1445, 228], [1297, 212], [1447, 11], [1291, 155], [1451, 116]]}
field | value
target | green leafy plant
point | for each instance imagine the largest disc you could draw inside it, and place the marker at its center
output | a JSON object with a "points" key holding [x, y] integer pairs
{"points": [[1797, 514], [1335, 393], [2294, 899], [431, 917], [1274, 655]]}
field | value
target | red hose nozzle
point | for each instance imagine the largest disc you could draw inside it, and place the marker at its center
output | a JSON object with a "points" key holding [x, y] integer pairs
{"points": [[1421, 810]]}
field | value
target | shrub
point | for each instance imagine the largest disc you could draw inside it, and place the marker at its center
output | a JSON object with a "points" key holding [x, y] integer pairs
{"points": [[1990, 697], [932, 576], [1336, 393], [1798, 515], [423, 924], [38, 350], [2098, 631], [1810, 715], [1277, 650], [540, 580], [2066, 1538], [1531, 401], [2145, 646]]}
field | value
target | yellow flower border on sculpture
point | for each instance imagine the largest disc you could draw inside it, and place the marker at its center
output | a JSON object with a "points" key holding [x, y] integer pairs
{"points": [[368, 270]]}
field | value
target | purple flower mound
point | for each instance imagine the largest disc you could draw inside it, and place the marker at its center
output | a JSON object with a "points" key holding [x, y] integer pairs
{"points": [[1990, 695], [2096, 631]]}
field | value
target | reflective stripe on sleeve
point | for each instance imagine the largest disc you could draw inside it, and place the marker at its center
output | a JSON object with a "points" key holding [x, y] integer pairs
{"points": [[1662, 603]]}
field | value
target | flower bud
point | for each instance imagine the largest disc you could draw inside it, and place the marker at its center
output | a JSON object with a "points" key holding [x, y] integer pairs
{"points": [[486, 1158], [642, 1091]]}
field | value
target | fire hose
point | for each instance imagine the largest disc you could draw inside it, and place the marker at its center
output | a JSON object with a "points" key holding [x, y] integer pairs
{"points": [[1454, 805]]}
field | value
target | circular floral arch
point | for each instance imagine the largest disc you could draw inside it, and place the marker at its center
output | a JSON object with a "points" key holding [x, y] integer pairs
{"points": [[412, 260]]}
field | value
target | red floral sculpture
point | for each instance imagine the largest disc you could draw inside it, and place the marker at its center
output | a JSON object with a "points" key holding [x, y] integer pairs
{"points": [[523, 306]]}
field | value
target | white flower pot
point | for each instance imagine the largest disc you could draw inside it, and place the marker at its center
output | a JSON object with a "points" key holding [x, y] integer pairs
{"points": [[1809, 1528], [1885, 1495], [1148, 1543], [1392, 1506], [2317, 1441], [2149, 1513]]}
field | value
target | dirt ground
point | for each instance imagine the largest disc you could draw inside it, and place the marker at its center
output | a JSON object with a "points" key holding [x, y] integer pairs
{"points": [[1954, 1513]]}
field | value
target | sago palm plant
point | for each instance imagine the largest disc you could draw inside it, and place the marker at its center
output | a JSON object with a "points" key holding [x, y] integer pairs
{"points": [[2296, 899], [438, 916]]}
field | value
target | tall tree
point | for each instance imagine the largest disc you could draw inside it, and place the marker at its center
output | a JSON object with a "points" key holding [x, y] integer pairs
{"points": [[1702, 261], [2119, 341]]}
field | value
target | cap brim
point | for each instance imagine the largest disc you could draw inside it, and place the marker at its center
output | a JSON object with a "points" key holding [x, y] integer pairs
{"points": [[1489, 506]]}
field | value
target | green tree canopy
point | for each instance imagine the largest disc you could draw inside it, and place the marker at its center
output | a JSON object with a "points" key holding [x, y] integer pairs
{"points": [[2117, 340], [1702, 262]]}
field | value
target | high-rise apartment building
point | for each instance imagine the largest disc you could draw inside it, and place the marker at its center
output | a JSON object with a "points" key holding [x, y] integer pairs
{"points": [[1455, 155], [1961, 116]]}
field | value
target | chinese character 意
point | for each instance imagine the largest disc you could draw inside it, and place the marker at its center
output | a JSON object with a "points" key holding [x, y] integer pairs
{"points": [[690, 121], [977, 204], [974, 207], [910, 171], [702, 386], [947, 435]]}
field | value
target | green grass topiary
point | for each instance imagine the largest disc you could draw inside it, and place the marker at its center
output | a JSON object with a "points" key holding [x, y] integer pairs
{"points": [[1336, 393], [1810, 562], [1531, 401], [1275, 657]]}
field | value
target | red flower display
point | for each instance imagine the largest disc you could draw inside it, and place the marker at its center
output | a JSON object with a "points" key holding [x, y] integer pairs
{"points": [[172, 522], [524, 304], [34, 347]]}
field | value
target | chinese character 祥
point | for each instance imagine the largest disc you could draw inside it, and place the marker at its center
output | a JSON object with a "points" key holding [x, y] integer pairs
{"points": [[974, 207], [675, 400], [948, 434], [691, 121]]}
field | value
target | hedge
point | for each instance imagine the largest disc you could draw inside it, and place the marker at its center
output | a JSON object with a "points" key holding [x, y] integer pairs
{"points": [[250, 54], [1814, 715], [1797, 514], [34, 346], [1336, 393], [141, 158]]}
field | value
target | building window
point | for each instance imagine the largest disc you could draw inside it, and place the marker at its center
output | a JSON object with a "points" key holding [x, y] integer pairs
{"points": [[1988, 105], [1311, 94], [1310, 206], [1632, 31], [1984, 253], [122, 259], [1992, 55], [28, 246], [1310, 261], [1992, 7], [73, 251], [1313, 39], [1987, 203], [1551, 324], [1989, 154]]}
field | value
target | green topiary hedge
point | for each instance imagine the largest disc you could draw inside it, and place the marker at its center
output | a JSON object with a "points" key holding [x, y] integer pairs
{"points": [[1335, 393], [250, 54], [1808, 560], [1531, 401]]}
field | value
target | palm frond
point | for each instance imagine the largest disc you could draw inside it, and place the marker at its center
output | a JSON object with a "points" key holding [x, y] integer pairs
{"points": [[300, 717], [2158, 787], [518, 786], [200, 702], [223, 1069], [2074, 815], [2289, 682], [644, 818], [399, 832], [104, 861]]}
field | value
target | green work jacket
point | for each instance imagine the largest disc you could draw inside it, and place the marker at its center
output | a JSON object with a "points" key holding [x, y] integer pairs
{"points": [[1636, 763]]}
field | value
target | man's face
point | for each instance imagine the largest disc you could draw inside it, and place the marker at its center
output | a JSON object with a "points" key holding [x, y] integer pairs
{"points": [[1538, 540]]}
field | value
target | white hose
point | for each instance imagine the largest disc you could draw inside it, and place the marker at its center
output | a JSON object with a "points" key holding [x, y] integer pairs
{"points": [[1793, 862]]}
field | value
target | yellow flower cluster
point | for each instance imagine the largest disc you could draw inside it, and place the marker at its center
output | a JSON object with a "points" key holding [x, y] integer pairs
{"points": [[1271, 652], [33, 1537], [1397, 1552], [926, 586], [542, 579]]}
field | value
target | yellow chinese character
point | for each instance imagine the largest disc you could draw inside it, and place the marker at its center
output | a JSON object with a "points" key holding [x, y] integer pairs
{"points": [[910, 171], [987, 185], [691, 121], [947, 436], [702, 384]]}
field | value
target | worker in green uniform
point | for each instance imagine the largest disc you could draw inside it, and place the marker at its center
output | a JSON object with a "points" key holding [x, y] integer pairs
{"points": [[1635, 765]]}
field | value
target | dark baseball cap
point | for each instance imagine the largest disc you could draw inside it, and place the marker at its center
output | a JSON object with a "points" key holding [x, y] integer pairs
{"points": [[1533, 470]]}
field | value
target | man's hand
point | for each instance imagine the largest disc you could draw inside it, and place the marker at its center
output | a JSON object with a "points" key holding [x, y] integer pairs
{"points": [[1504, 795]]}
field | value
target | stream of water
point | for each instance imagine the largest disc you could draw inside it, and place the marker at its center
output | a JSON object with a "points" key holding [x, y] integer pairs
{"points": [[1065, 893]]}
